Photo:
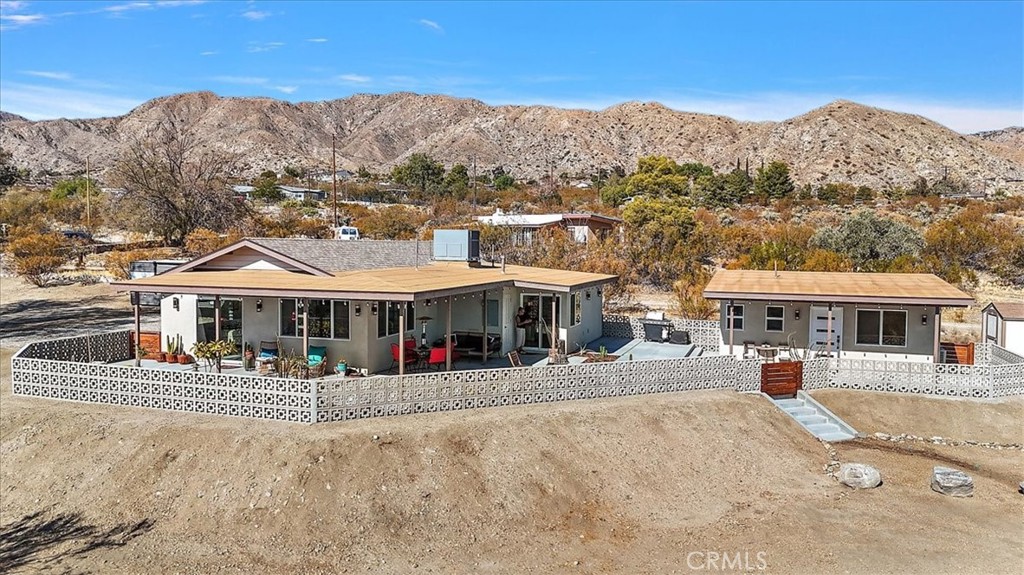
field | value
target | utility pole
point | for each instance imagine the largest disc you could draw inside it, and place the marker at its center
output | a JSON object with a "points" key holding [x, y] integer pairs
{"points": [[334, 176], [88, 204], [472, 161]]}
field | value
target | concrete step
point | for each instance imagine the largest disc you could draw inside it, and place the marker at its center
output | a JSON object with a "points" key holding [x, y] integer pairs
{"points": [[815, 418]]}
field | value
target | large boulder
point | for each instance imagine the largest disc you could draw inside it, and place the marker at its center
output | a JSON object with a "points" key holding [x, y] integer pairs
{"points": [[859, 476], [952, 482]]}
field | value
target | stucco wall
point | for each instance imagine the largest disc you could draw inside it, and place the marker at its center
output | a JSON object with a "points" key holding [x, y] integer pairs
{"points": [[920, 338], [1014, 340], [179, 322]]}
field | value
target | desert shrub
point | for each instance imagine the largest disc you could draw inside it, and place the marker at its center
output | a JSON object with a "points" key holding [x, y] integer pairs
{"points": [[37, 256], [689, 295], [203, 241]]}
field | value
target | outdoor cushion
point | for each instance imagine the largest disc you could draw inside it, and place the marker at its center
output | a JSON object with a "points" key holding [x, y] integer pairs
{"points": [[264, 353], [316, 354]]}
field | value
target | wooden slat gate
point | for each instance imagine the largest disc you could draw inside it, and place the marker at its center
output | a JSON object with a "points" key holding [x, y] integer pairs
{"points": [[783, 378]]}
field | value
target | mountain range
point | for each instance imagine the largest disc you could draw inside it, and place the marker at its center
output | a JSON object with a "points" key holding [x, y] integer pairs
{"points": [[840, 142]]}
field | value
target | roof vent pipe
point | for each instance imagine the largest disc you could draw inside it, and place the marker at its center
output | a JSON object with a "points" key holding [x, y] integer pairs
{"points": [[503, 263]]}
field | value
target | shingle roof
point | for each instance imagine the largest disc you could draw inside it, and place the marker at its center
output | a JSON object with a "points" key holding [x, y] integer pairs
{"points": [[1011, 311], [337, 255]]}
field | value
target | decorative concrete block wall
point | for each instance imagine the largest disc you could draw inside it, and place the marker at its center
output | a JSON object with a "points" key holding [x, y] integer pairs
{"points": [[704, 333]]}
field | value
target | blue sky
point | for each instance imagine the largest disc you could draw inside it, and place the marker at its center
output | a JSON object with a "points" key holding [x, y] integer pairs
{"points": [[961, 64]]}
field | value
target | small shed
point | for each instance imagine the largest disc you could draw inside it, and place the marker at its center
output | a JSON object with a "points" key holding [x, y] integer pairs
{"points": [[1002, 323]]}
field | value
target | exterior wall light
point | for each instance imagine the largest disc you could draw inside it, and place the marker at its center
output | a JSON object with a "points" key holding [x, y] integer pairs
{"points": [[373, 308], [176, 303], [259, 305], [359, 310], [924, 319], [796, 313]]}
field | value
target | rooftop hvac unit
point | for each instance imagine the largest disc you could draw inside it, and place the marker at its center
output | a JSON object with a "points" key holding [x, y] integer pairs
{"points": [[457, 245]]}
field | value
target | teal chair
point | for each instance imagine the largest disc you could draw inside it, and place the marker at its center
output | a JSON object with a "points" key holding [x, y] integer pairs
{"points": [[317, 360]]}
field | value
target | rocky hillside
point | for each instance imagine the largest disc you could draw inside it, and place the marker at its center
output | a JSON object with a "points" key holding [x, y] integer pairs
{"points": [[842, 142]]}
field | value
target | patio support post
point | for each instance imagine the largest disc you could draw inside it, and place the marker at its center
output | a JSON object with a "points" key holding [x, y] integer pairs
{"points": [[938, 331], [828, 332], [305, 329], [138, 332], [483, 313], [554, 324], [401, 338], [729, 318], [216, 318], [448, 338]]}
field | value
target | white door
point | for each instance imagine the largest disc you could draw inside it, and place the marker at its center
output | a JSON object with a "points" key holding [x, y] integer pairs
{"points": [[819, 328]]}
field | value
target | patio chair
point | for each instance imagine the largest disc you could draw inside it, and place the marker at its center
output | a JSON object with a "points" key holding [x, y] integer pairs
{"points": [[411, 357], [266, 359], [514, 359], [316, 360], [437, 358], [680, 337], [748, 350]]}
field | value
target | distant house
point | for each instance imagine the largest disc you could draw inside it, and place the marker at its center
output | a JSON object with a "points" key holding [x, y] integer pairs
{"points": [[289, 193], [1002, 323], [325, 176], [582, 227], [849, 315]]}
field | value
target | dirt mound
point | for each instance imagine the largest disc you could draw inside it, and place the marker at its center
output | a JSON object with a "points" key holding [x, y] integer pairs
{"points": [[626, 485]]}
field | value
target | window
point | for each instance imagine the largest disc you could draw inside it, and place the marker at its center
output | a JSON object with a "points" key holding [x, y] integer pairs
{"points": [[737, 316], [774, 318], [493, 315], [328, 319], [991, 327], [388, 317], [882, 327], [577, 308]]}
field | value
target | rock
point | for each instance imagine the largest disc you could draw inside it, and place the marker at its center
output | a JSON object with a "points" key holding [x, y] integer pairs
{"points": [[1021, 486], [859, 476], [952, 482]]}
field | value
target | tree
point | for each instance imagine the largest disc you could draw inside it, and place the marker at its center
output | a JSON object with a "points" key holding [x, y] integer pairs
{"points": [[420, 171], [737, 185], [658, 229], [773, 182], [8, 172], [75, 187], [37, 256], [266, 188], [873, 243], [456, 181], [174, 185], [504, 182]]}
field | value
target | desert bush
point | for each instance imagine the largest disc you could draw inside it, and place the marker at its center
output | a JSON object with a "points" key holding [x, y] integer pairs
{"points": [[37, 256], [203, 241], [689, 295]]}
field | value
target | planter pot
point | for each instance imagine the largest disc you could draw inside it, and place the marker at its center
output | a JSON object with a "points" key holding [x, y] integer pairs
{"points": [[172, 358], [184, 358], [160, 356], [341, 368]]}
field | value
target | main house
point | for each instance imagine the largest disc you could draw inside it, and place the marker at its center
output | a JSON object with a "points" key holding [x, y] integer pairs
{"points": [[357, 298], [849, 315], [581, 227]]}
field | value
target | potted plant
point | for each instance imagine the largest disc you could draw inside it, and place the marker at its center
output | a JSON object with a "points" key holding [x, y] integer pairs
{"points": [[341, 367], [174, 348], [160, 356], [212, 351]]}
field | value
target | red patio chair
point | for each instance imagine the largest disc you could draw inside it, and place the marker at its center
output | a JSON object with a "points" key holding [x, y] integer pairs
{"points": [[437, 358], [411, 357]]}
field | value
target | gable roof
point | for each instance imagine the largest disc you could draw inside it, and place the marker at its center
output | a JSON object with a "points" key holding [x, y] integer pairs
{"points": [[835, 287], [1007, 310], [321, 257]]}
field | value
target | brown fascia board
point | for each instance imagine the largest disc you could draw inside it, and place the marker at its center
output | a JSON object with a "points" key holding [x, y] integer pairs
{"points": [[801, 298], [248, 243]]}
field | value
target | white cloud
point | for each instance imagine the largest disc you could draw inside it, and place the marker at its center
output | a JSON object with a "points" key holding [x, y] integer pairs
{"points": [[48, 75], [243, 80], [45, 103], [208, 53], [431, 24], [255, 15], [257, 47], [316, 40], [116, 8], [355, 79], [286, 89], [22, 19], [12, 5]]}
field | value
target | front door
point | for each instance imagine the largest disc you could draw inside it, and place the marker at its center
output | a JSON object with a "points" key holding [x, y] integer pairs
{"points": [[538, 308], [819, 335]]}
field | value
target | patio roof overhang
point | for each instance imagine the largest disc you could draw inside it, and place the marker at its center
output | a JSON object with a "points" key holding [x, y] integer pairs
{"points": [[835, 287], [394, 284]]}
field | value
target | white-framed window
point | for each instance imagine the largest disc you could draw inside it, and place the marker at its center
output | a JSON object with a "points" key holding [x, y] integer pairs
{"points": [[736, 311], [991, 327], [774, 318], [883, 327], [388, 317], [328, 319]]}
